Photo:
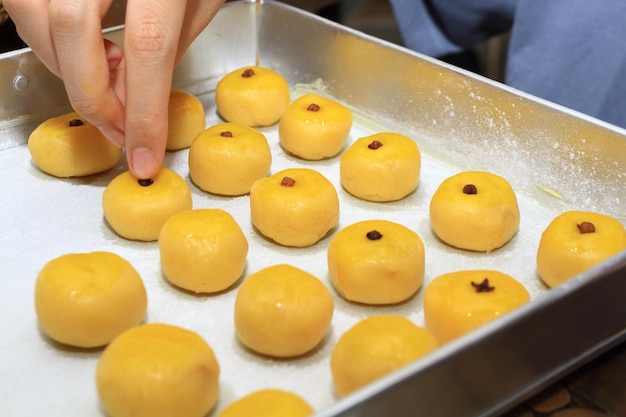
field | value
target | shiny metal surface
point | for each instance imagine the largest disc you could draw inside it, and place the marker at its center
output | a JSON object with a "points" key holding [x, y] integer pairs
{"points": [[551, 154]]}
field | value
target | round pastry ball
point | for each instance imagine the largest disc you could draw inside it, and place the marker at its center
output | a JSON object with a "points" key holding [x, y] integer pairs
{"points": [[376, 262], [314, 127], [575, 241], [382, 167], [69, 146], [269, 403], [282, 311], [458, 302], [186, 118], [202, 250], [158, 370], [253, 96], [228, 158], [136, 209], [475, 211], [375, 347], [294, 207], [87, 299]]}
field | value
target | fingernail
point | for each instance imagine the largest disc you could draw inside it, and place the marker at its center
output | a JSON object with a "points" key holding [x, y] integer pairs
{"points": [[143, 164], [114, 135]]}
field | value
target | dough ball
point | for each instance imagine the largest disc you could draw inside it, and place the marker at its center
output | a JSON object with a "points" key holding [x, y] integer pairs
{"points": [[458, 302], [475, 211], [136, 209], [228, 158], [185, 119], [314, 127], [87, 299], [294, 207], [375, 347], [574, 242], [382, 167], [69, 146], [158, 370], [253, 96], [376, 262], [202, 250], [269, 403], [282, 311]]}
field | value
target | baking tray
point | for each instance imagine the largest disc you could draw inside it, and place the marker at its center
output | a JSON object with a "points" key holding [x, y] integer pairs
{"points": [[555, 158]]}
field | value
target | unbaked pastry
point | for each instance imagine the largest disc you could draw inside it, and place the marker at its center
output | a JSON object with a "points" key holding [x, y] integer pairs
{"points": [[475, 210], [314, 127], [376, 262], [381, 167], [294, 207], [228, 158], [88, 299], [69, 146], [253, 96], [458, 302], [575, 241], [137, 208]]}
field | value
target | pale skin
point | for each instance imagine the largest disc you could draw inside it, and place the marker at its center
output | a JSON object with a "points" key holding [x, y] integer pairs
{"points": [[124, 92]]}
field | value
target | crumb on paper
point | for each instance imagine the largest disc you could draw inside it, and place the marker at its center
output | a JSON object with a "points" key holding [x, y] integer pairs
{"points": [[550, 191]]}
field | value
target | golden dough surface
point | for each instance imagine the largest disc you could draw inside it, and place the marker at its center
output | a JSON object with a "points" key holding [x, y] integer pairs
{"points": [[475, 210], [282, 311], [158, 370], [69, 146], [375, 347], [202, 250], [137, 212], [382, 167], [314, 127], [253, 96], [269, 403], [87, 299], [185, 119], [458, 302], [575, 241], [294, 207], [376, 262], [228, 158]]}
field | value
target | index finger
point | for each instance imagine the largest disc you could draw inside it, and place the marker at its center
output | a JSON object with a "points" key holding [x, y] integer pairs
{"points": [[150, 46]]}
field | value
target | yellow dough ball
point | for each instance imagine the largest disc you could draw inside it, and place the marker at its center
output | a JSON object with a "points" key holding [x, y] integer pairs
{"points": [[314, 127], [294, 207], [269, 403], [228, 158], [382, 167], [282, 311], [253, 96], [136, 209], [375, 347], [575, 241], [376, 262], [69, 146], [202, 250], [458, 302], [185, 119], [87, 299], [158, 370], [475, 211]]}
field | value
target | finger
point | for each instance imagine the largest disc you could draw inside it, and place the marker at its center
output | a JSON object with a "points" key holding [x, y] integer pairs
{"points": [[84, 62], [150, 45], [31, 21]]}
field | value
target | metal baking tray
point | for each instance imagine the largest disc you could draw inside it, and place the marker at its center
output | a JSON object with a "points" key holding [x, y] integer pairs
{"points": [[555, 158]]}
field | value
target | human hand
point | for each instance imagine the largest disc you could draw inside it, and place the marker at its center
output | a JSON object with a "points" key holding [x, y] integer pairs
{"points": [[124, 92]]}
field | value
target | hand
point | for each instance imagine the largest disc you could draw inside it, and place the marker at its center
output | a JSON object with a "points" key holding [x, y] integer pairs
{"points": [[125, 92]]}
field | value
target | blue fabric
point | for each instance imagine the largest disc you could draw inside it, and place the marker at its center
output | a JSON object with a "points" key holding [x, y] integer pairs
{"points": [[571, 52]]}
